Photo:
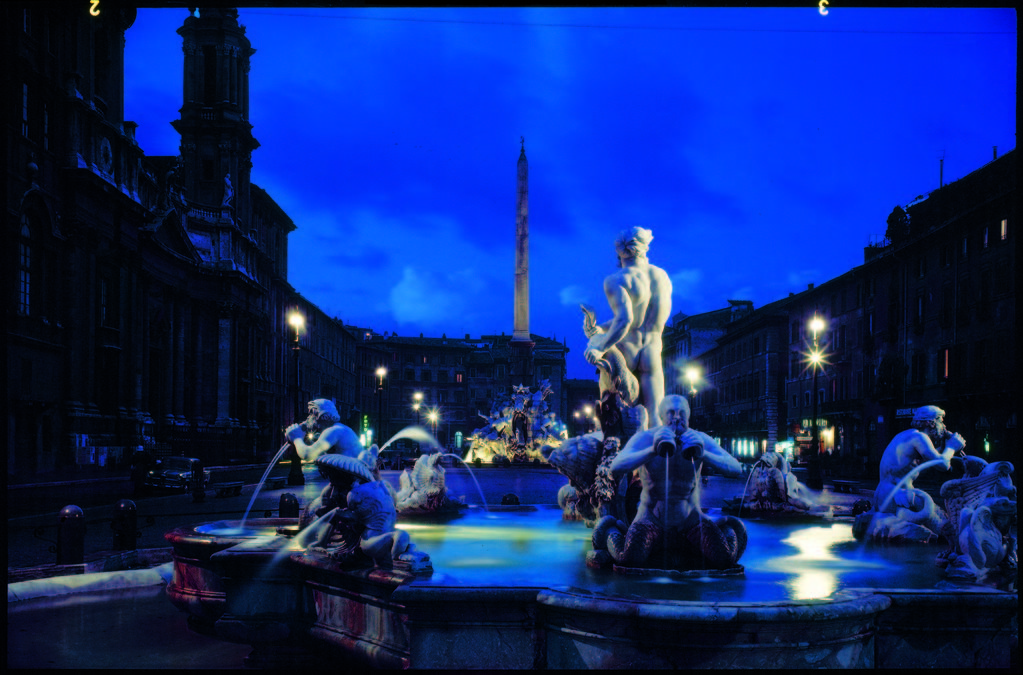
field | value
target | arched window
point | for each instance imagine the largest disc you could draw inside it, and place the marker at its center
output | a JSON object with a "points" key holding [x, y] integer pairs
{"points": [[25, 267]]}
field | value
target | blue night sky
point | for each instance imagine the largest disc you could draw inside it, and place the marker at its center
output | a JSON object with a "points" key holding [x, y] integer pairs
{"points": [[763, 147]]}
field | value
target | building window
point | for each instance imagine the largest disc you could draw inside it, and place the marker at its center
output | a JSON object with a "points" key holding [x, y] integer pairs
{"points": [[1005, 229], [426, 375], [458, 377], [985, 237], [965, 248], [943, 358], [24, 268], [921, 265], [46, 128], [410, 374]]}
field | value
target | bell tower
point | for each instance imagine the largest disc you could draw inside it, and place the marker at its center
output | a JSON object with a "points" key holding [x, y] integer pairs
{"points": [[216, 137]]}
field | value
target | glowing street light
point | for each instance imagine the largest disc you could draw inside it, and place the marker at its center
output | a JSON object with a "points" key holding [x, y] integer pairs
{"points": [[381, 373], [297, 321], [692, 375], [816, 358], [433, 416], [417, 401]]}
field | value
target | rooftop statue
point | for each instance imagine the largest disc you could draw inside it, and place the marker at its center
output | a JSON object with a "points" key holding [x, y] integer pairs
{"points": [[670, 529], [639, 295], [901, 512]]}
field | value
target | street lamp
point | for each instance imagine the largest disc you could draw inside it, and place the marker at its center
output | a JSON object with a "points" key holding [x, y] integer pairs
{"points": [[692, 375], [417, 401], [814, 479], [433, 416], [297, 321], [381, 374], [588, 412]]}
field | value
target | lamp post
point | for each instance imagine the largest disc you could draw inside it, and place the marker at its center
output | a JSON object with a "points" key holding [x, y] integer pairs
{"points": [[417, 401], [692, 375], [433, 416], [813, 478], [296, 321], [381, 374]]}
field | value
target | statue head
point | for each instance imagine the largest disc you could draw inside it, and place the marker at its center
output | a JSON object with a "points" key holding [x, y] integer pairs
{"points": [[930, 419], [633, 244], [674, 412], [323, 413]]}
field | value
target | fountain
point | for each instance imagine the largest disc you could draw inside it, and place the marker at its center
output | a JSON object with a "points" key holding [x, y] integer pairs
{"points": [[654, 584], [517, 429]]}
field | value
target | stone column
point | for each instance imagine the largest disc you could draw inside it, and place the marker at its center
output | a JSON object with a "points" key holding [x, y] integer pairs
{"points": [[521, 332], [168, 367]]}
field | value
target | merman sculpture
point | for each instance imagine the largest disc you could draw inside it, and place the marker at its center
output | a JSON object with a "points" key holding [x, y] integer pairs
{"points": [[900, 511], [670, 530]]}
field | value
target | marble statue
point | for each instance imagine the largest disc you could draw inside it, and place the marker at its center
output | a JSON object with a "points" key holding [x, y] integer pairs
{"points": [[981, 507], [670, 529], [774, 488], [361, 526], [423, 490], [639, 295], [322, 432], [900, 511]]}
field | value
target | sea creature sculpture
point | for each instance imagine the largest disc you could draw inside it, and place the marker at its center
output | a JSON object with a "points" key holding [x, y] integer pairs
{"points": [[774, 488], [982, 508], [423, 489]]}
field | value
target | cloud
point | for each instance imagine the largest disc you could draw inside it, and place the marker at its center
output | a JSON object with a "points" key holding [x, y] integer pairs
{"points": [[685, 283], [574, 295]]}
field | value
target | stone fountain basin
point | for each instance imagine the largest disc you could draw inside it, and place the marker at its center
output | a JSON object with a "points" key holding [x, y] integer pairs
{"points": [[510, 589], [195, 588]]}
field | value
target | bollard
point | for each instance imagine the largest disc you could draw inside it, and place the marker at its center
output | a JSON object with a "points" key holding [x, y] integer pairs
{"points": [[198, 482], [125, 525], [70, 536], [288, 506], [510, 499]]}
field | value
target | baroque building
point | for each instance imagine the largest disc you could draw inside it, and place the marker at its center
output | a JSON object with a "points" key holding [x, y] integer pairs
{"points": [[928, 319], [147, 297], [458, 380]]}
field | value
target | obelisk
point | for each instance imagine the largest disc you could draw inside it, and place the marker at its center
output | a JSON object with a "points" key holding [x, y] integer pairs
{"points": [[521, 343]]}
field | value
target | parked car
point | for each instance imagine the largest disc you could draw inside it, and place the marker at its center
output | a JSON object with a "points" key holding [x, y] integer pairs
{"points": [[174, 473]]}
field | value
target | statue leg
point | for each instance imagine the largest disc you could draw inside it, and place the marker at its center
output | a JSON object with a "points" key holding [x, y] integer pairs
{"points": [[633, 548], [720, 542]]}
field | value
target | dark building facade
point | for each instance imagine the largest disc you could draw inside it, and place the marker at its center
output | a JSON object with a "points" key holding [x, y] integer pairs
{"points": [[147, 297], [928, 319]]}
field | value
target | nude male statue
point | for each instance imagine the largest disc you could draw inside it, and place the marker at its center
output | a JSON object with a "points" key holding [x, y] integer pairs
{"points": [[669, 459], [640, 298], [325, 433], [907, 450]]}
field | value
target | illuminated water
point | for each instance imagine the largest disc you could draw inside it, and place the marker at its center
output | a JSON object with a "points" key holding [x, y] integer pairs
{"points": [[536, 548], [262, 480]]}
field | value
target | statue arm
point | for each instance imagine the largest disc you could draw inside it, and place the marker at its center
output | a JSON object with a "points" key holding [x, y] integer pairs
{"points": [[924, 448], [637, 452], [340, 436], [718, 457]]}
